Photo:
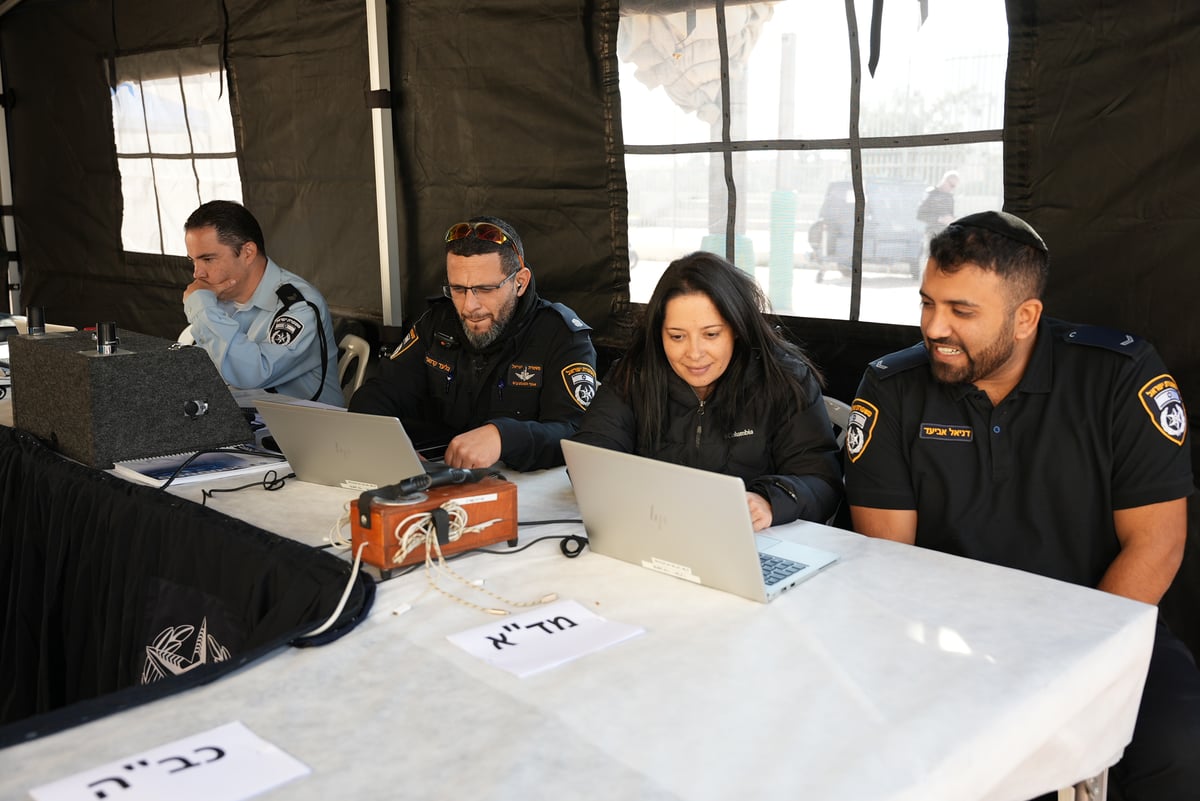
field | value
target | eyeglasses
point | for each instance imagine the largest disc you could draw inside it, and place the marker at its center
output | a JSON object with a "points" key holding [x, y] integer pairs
{"points": [[479, 290], [488, 232]]}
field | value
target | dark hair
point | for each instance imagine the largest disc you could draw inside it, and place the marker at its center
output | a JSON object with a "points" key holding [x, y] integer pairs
{"points": [[643, 373], [234, 223], [1024, 269], [474, 246]]}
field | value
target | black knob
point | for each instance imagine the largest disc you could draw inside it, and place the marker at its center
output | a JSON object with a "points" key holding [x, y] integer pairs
{"points": [[195, 408], [106, 338], [35, 318]]}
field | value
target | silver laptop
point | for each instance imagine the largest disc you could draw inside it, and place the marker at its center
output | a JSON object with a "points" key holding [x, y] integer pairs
{"points": [[688, 523], [330, 446]]}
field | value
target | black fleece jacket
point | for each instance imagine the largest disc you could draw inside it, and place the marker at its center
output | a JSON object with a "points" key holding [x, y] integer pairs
{"points": [[533, 383], [787, 454]]}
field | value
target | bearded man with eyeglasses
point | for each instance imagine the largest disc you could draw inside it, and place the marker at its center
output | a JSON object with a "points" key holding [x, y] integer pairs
{"points": [[490, 372]]}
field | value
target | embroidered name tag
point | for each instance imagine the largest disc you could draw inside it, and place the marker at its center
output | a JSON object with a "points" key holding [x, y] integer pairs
{"points": [[946, 432], [436, 365]]}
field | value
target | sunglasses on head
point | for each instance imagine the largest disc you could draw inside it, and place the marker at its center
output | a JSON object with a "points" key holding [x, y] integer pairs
{"points": [[488, 232]]}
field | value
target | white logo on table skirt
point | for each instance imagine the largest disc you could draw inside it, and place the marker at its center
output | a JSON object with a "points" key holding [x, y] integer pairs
{"points": [[166, 656]]}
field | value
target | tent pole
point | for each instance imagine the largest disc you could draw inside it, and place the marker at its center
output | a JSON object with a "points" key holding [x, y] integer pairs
{"points": [[13, 267], [385, 164]]}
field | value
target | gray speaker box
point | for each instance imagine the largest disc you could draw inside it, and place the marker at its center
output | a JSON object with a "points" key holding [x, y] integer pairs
{"points": [[140, 400]]}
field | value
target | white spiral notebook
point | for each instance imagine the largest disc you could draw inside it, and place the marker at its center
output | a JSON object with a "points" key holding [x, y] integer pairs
{"points": [[227, 463]]}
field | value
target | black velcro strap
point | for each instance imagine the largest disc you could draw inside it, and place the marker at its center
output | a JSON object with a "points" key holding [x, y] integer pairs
{"points": [[380, 98], [876, 35], [441, 521], [288, 295]]}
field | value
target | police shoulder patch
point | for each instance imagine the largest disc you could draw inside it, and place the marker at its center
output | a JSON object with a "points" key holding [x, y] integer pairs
{"points": [[410, 339], [580, 380], [284, 329], [899, 362], [1162, 400], [863, 417]]}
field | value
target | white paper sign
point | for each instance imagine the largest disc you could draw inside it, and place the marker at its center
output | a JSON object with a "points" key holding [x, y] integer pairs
{"points": [[228, 763], [543, 638]]}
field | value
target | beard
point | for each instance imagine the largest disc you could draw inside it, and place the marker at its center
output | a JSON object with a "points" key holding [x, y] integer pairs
{"points": [[979, 366], [481, 339]]}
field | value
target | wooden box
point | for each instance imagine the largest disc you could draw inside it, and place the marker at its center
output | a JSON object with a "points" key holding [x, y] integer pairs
{"points": [[490, 504]]}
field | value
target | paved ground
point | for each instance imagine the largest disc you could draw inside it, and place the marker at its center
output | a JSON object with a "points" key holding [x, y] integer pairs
{"points": [[889, 294]]}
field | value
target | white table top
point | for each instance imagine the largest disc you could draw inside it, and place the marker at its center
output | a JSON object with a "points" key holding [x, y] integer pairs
{"points": [[22, 324], [897, 673]]}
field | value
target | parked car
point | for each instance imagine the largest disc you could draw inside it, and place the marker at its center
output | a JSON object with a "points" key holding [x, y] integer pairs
{"points": [[891, 231]]}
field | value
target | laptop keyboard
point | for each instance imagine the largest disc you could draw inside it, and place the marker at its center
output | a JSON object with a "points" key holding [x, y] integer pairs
{"points": [[776, 569]]}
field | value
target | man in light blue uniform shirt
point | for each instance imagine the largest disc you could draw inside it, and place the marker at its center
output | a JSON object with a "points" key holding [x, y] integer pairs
{"points": [[264, 327]]}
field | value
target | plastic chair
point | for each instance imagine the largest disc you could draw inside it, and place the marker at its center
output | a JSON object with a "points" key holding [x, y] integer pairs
{"points": [[839, 415], [355, 351], [1093, 789]]}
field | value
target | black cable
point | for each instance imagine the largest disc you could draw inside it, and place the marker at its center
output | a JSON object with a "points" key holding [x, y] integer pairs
{"points": [[572, 545], [216, 473], [519, 548], [270, 482]]}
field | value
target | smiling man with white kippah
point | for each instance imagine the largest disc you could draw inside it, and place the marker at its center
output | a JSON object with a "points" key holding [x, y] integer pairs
{"points": [[1029, 442]]}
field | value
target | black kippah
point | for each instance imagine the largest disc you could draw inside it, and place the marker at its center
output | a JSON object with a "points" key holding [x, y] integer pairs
{"points": [[1006, 225]]}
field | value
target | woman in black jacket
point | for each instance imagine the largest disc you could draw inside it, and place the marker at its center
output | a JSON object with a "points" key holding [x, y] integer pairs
{"points": [[709, 382]]}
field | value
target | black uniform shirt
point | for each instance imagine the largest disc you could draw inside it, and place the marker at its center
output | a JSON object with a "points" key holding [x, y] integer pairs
{"points": [[533, 383], [1095, 424]]}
